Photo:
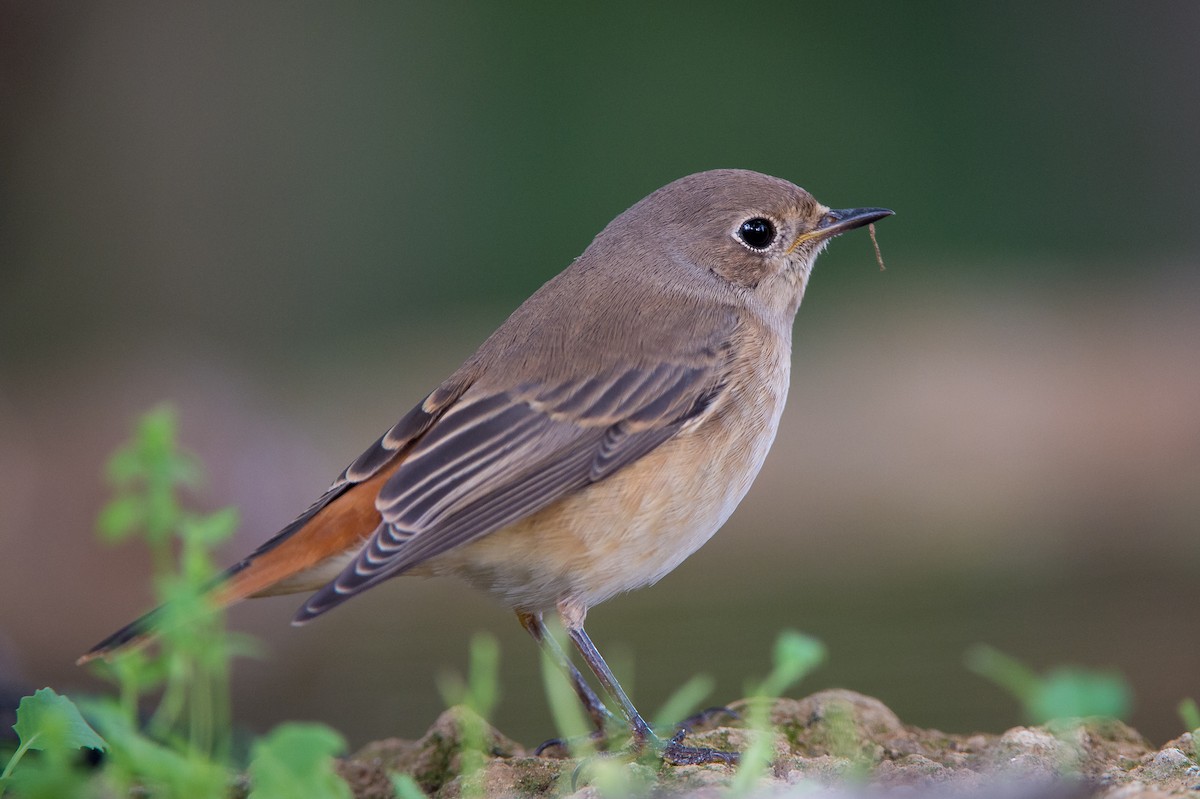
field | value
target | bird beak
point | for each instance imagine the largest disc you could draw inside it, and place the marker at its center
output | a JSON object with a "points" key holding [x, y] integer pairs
{"points": [[837, 221]]}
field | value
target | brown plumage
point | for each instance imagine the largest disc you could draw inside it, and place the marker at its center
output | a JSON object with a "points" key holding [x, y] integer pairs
{"points": [[601, 435]]}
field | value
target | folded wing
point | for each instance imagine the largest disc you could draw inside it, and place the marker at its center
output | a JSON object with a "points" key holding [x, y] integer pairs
{"points": [[495, 457]]}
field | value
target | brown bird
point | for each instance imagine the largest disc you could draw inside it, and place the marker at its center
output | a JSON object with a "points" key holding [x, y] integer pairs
{"points": [[600, 436]]}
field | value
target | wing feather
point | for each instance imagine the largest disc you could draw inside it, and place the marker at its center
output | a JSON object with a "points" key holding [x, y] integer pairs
{"points": [[494, 458], [378, 455]]}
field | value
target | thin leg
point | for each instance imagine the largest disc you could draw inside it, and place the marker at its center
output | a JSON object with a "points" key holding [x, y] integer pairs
{"points": [[672, 751], [637, 725], [597, 712]]}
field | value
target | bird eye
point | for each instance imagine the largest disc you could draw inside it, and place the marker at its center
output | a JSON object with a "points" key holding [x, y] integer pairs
{"points": [[756, 233]]}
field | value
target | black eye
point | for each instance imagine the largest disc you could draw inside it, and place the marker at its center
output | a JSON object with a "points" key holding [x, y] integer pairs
{"points": [[757, 233]]}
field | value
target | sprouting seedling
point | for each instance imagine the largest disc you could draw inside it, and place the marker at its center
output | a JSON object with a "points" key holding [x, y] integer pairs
{"points": [[478, 695], [149, 473], [795, 656], [1063, 692], [1189, 713], [684, 701], [297, 759], [875, 243]]}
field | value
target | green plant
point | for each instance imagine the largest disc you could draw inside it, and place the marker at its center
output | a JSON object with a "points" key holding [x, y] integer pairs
{"points": [[405, 787], [569, 719], [53, 725], [297, 760], [184, 748], [1063, 692], [795, 656], [192, 664], [684, 701], [1189, 714], [186, 743], [478, 694]]}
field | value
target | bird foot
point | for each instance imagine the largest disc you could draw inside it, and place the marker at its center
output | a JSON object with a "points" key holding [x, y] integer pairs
{"points": [[671, 750], [676, 753]]}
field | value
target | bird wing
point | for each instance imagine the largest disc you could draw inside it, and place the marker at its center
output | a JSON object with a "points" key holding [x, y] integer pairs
{"points": [[367, 465], [496, 456]]}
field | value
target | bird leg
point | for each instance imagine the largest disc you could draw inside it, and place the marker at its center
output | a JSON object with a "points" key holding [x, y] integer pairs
{"points": [[673, 751], [597, 712]]}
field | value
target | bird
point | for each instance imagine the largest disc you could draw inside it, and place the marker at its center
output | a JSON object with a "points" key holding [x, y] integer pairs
{"points": [[602, 434]]}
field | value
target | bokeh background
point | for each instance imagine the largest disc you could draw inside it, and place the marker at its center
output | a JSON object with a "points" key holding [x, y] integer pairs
{"points": [[291, 220]]}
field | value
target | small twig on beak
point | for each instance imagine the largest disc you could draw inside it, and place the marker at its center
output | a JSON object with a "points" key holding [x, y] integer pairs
{"points": [[875, 241]]}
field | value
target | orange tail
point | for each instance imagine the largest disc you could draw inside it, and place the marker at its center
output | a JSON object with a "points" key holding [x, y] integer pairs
{"points": [[302, 557]]}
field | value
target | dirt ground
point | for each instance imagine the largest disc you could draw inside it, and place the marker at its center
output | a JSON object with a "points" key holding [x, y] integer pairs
{"points": [[833, 743]]}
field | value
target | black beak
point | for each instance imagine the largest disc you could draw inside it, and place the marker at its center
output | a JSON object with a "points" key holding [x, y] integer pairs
{"points": [[839, 221]]}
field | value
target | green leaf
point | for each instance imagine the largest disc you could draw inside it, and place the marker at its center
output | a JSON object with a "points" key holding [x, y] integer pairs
{"points": [[1004, 670], [156, 430], [1065, 692], [565, 709], [297, 760], [124, 466], [159, 770], [56, 775], [1070, 692], [684, 701], [48, 718], [212, 529], [120, 518], [480, 691], [483, 678], [796, 654], [1189, 713], [406, 787], [52, 723]]}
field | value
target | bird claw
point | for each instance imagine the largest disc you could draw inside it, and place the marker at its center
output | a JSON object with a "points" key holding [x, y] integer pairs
{"points": [[552, 744], [562, 747], [677, 754], [703, 718], [671, 752]]}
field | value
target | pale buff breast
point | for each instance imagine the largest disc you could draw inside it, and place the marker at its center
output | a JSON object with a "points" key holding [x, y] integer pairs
{"points": [[633, 528]]}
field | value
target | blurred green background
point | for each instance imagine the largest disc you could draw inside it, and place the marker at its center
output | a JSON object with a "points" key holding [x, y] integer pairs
{"points": [[293, 219]]}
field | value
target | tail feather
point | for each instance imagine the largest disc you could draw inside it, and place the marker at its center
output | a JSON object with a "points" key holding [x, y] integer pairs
{"points": [[132, 635], [301, 557]]}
